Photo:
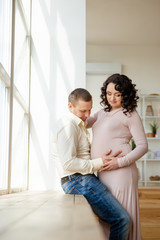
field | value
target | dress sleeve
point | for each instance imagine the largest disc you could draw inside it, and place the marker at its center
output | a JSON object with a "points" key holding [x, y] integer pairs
{"points": [[138, 134], [67, 145], [91, 120]]}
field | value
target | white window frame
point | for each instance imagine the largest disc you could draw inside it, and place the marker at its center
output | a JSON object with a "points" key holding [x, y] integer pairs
{"points": [[13, 91]]}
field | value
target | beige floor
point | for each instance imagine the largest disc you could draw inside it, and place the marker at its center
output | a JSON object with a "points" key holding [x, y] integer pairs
{"points": [[51, 215], [47, 216]]}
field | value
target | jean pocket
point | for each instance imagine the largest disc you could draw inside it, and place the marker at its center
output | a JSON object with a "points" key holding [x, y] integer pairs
{"points": [[70, 188], [83, 178]]}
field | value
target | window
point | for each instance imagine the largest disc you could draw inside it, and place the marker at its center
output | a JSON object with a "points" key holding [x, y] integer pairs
{"points": [[19, 147], [4, 123], [14, 94], [5, 33]]}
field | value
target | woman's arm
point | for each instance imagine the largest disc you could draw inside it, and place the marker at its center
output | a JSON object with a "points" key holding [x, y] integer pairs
{"points": [[137, 131], [91, 120]]}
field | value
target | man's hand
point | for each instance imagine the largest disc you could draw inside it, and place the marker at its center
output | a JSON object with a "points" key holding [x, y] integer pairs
{"points": [[111, 164], [107, 156], [110, 160]]}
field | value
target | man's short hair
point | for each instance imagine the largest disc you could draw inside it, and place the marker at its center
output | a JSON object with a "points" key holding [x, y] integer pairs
{"points": [[79, 94]]}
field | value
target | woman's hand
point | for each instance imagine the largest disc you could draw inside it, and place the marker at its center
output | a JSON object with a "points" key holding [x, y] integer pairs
{"points": [[111, 164], [110, 161], [107, 155]]}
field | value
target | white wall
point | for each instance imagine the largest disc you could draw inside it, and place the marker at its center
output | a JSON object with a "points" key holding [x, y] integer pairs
{"points": [[140, 63], [58, 66]]}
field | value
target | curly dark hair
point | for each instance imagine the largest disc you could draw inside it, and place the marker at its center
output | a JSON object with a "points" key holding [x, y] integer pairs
{"points": [[127, 89]]}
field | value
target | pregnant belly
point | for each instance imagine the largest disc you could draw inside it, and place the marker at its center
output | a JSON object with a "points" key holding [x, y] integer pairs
{"points": [[122, 178], [98, 148]]}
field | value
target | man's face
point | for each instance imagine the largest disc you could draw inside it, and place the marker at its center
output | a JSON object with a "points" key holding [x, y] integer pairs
{"points": [[81, 109]]}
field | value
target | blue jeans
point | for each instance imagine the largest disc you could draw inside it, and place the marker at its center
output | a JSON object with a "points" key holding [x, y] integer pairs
{"points": [[104, 205]]}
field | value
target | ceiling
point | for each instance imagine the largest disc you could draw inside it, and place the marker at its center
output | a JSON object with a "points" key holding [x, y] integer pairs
{"points": [[123, 22]]}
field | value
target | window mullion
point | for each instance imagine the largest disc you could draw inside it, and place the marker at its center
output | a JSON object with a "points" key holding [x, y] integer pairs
{"points": [[11, 96], [29, 116]]}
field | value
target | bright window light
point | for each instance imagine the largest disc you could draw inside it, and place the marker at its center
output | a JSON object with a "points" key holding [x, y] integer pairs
{"points": [[19, 147], [5, 33], [21, 72], [3, 137]]}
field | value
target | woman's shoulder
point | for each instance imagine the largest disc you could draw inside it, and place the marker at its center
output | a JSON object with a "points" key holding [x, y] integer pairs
{"points": [[133, 114], [93, 118], [132, 118], [99, 113], [129, 116]]}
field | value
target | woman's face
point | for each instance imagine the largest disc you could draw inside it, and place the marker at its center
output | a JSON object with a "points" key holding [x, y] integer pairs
{"points": [[113, 96]]}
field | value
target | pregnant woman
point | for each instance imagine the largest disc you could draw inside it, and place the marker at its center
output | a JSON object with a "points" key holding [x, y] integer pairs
{"points": [[113, 127]]}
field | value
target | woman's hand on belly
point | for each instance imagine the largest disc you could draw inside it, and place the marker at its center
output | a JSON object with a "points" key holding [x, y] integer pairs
{"points": [[110, 161], [110, 164]]}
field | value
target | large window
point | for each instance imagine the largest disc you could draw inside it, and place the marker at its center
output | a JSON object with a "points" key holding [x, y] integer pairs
{"points": [[4, 123], [5, 33], [14, 94]]}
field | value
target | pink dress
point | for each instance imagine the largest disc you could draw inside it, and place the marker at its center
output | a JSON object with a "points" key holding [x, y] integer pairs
{"points": [[113, 130]]}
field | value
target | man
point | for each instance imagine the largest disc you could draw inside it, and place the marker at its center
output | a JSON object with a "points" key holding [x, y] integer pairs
{"points": [[76, 169]]}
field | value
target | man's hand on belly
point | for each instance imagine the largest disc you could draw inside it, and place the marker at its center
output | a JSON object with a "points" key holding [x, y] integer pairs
{"points": [[110, 160]]}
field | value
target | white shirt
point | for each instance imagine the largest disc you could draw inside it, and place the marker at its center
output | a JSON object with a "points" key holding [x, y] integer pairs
{"points": [[71, 148]]}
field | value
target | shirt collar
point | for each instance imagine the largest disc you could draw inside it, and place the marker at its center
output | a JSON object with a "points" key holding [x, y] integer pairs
{"points": [[77, 119]]}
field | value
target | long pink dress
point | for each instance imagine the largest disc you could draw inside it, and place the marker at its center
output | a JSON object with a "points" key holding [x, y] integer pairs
{"points": [[113, 130]]}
